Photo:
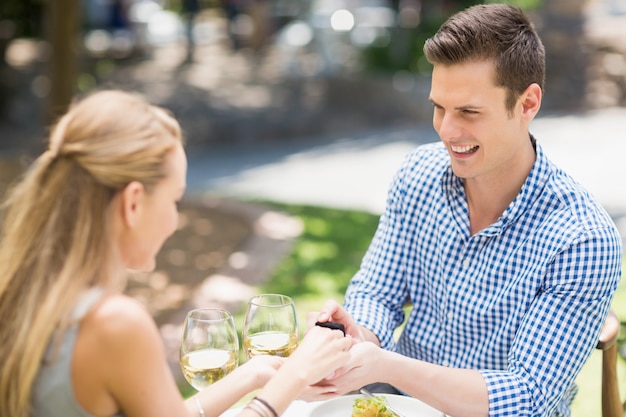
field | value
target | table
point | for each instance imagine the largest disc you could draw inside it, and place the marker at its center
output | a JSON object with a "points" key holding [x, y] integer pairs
{"points": [[410, 407], [298, 408]]}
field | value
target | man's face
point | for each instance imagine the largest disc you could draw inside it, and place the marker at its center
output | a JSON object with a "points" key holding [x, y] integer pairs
{"points": [[481, 135]]}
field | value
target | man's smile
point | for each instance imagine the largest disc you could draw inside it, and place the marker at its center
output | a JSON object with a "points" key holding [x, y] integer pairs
{"points": [[466, 149]]}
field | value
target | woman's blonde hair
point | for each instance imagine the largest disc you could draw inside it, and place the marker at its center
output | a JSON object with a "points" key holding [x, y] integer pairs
{"points": [[56, 239]]}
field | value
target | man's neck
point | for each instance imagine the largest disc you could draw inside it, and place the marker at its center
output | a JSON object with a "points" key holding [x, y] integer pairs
{"points": [[488, 197]]}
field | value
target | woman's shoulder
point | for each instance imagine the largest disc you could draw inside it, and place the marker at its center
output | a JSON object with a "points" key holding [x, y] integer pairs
{"points": [[118, 319], [116, 338], [114, 304]]}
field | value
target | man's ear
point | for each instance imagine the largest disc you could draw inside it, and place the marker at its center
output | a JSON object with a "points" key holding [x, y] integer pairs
{"points": [[132, 198], [531, 101]]}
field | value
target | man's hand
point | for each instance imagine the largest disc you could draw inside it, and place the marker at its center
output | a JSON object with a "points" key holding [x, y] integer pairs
{"points": [[362, 368], [333, 311]]}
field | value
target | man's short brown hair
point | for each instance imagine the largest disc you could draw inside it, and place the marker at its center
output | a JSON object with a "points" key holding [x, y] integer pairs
{"points": [[498, 32]]}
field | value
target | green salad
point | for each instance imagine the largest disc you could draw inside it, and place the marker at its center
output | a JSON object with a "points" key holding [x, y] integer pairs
{"points": [[371, 407]]}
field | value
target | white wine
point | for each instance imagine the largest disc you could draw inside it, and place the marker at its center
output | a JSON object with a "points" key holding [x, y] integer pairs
{"points": [[270, 343], [203, 367]]}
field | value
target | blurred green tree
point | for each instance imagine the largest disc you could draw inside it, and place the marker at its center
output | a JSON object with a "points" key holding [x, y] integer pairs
{"points": [[417, 21], [24, 15], [18, 18], [57, 22]]}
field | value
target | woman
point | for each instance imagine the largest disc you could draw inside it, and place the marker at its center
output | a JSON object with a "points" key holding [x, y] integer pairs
{"points": [[103, 199]]}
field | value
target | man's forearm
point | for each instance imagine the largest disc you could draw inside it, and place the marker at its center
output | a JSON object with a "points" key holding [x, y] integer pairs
{"points": [[456, 392]]}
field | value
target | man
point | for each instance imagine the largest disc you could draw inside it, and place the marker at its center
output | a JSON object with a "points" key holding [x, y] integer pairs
{"points": [[510, 266]]}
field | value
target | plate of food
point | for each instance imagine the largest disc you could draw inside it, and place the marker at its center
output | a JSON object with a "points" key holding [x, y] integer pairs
{"points": [[360, 406]]}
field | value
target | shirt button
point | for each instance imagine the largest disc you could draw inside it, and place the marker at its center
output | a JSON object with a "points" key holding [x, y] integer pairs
{"points": [[450, 316], [445, 363], [466, 262]]}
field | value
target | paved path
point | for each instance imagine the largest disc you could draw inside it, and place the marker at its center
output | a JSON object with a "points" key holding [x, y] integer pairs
{"points": [[353, 172], [350, 172], [591, 147]]}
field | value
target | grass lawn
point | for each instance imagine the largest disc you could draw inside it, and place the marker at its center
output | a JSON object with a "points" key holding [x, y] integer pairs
{"points": [[329, 252]]}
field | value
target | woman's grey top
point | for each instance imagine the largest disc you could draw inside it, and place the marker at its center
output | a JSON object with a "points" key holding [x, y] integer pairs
{"points": [[53, 394]]}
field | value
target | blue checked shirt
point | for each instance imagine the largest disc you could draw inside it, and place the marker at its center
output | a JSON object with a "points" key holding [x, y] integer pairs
{"points": [[522, 301]]}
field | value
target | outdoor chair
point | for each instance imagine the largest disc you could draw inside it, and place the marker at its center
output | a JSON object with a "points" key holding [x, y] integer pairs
{"points": [[612, 405]]}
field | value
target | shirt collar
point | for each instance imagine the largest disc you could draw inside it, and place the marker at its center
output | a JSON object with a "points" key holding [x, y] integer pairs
{"points": [[531, 189]]}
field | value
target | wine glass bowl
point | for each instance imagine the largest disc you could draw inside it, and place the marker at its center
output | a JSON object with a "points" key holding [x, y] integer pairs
{"points": [[209, 348], [270, 326]]}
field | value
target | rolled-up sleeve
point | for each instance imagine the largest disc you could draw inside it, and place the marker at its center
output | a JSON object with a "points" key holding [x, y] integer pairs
{"points": [[560, 329]]}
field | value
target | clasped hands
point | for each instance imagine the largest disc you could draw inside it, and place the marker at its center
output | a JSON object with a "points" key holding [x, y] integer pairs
{"points": [[361, 367]]}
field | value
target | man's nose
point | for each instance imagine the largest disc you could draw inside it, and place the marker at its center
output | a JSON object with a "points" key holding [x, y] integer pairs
{"points": [[449, 128]]}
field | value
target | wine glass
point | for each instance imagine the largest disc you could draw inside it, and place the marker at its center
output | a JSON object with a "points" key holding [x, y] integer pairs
{"points": [[270, 326], [209, 348]]}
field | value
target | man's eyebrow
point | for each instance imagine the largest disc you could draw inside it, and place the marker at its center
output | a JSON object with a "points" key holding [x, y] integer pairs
{"points": [[468, 107], [460, 108]]}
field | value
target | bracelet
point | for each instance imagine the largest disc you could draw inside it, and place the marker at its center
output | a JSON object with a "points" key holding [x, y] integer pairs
{"points": [[266, 405], [259, 408], [200, 409], [258, 413]]}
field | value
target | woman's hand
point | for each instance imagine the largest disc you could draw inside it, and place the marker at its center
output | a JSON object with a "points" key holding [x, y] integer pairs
{"points": [[259, 369], [320, 352]]}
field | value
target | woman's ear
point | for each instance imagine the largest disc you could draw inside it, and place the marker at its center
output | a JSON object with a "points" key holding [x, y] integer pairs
{"points": [[531, 101], [132, 197]]}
